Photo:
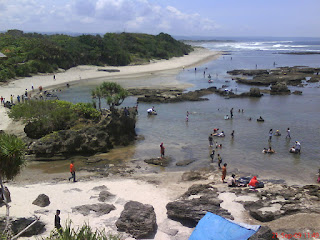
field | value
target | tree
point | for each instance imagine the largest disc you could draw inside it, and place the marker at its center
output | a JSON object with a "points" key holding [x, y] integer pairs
{"points": [[12, 151], [113, 93], [97, 93]]}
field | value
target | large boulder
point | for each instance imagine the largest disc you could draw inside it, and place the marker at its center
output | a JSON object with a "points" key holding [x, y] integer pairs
{"points": [[42, 201], [99, 208], [194, 204], [137, 219]]}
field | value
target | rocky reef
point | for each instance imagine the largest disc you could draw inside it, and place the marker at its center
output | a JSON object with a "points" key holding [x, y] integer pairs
{"points": [[177, 95], [265, 77]]}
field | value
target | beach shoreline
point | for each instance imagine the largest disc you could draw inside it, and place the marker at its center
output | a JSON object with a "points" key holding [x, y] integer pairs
{"points": [[81, 74]]}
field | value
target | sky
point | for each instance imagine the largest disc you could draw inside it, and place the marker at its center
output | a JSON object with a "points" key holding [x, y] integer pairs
{"points": [[242, 18]]}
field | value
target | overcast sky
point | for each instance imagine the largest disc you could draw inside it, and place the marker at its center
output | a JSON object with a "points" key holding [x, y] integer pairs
{"points": [[275, 18]]}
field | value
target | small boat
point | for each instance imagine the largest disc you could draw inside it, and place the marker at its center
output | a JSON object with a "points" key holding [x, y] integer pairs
{"points": [[260, 120], [210, 81]]}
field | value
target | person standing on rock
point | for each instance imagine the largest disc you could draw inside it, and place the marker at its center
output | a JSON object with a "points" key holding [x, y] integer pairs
{"points": [[57, 224], [224, 172], [162, 150], [72, 171]]}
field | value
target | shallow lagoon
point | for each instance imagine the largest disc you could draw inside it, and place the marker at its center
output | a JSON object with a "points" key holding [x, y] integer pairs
{"points": [[185, 140]]}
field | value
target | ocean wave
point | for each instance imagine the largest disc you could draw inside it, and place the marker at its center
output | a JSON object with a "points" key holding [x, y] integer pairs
{"points": [[260, 46]]}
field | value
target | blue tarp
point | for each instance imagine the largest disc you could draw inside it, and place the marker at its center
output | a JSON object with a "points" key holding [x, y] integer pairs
{"points": [[214, 227]]}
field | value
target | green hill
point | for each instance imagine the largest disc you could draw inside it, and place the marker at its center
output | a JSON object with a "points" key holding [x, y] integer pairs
{"points": [[31, 53]]}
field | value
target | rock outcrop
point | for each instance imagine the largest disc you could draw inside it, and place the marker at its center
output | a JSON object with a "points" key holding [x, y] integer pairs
{"points": [[189, 210], [289, 75], [163, 162], [284, 200], [279, 88], [113, 129], [137, 219]]}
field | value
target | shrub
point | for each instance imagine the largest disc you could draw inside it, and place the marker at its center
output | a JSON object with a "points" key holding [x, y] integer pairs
{"points": [[86, 110], [81, 233]]}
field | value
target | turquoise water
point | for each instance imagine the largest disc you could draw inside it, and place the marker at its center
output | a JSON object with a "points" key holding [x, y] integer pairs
{"points": [[185, 140]]}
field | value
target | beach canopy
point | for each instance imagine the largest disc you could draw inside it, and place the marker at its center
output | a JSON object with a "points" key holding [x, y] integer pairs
{"points": [[214, 227]]}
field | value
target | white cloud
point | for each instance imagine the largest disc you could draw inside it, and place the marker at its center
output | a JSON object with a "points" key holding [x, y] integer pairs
{"points": [[101, 16]]}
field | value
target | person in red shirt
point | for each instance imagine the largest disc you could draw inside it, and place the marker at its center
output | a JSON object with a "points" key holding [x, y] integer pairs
{"points": [[253, 183], [72, 171], [224, 172], [162, 148]]}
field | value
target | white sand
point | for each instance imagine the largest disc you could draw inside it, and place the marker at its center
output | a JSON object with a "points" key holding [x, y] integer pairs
{"points": [[65, 195], [86, 73]]}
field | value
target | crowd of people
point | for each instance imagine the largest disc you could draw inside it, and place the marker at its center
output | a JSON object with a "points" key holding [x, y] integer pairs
{"points": [[232, 181]]}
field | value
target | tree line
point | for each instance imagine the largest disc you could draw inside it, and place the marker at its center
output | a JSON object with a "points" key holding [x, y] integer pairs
{"points": [[32, 53]]}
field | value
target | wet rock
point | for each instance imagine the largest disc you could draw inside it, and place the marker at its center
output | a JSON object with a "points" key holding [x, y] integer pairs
{"points": [[42, 201], [253, 72], [314, 79], [99, 208], [297, 92], [184, 162], [21, 223], [169, 96], [164, 162], [255, 92], [279, 88], [137, 219], [105, 196], [264, 233]]}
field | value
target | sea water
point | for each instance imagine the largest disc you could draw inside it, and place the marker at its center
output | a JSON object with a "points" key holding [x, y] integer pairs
{"points": [[189, 140]]}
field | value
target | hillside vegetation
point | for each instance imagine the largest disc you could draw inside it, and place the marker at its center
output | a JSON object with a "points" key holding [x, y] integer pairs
{"points": [[31, 53]]}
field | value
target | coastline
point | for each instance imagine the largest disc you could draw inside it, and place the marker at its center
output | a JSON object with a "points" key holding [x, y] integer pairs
{"points": [[156, 188], [81, 74]]}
